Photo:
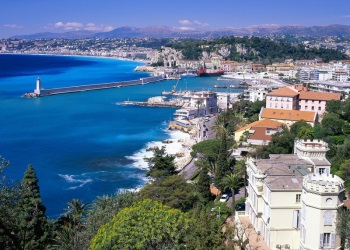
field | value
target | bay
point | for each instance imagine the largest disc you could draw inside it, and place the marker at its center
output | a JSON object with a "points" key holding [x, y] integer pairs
{"points": [[82, 145]]}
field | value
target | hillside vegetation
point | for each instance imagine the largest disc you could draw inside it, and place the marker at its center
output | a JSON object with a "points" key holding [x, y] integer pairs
{"points": [[256, 49]]}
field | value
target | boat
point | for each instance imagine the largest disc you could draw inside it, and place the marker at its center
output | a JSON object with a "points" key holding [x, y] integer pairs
{"points": [[188, 74], [220, 86], [206, 72]]}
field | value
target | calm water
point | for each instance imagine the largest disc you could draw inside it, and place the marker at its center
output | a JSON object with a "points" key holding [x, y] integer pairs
{"points": [[82, 145]]}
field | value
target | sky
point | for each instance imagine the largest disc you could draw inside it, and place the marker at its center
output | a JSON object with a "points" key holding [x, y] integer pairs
{"points": [[21, 17]]}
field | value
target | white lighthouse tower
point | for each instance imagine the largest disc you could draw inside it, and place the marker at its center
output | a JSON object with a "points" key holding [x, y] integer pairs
{"points": [[38, 87]]}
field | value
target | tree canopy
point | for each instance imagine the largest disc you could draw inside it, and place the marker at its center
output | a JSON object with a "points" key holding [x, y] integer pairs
{"points": [[144, 225]]}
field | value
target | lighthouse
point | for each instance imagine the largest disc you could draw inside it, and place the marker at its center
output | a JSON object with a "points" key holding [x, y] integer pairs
{"points": [[38, 87]]}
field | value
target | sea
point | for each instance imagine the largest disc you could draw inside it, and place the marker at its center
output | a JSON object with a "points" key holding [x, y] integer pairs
{"points": [[87, 144]]}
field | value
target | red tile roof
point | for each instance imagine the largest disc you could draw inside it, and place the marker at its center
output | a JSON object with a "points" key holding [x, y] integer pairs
{"points": [[290, 115], [286, 91], [319, 96], [259, 134], [266, 123]]}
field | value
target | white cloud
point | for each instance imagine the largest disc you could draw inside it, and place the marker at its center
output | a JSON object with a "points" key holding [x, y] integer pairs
{"points": [[69, 25], [200, 23], [195, 23], [185, 22], [13, 26], [186, 28], [94, 27], [80, 26]]}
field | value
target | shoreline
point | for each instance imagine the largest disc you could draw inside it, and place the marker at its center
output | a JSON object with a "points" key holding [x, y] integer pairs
{"points": [[89, 56]]}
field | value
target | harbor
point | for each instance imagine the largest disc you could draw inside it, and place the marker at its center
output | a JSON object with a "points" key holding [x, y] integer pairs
{"points": [[41, 92]]}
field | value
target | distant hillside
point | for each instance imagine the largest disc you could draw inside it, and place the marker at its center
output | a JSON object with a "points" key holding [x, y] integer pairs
{"points": [[164, 31], [66, 35], [255, 49]]}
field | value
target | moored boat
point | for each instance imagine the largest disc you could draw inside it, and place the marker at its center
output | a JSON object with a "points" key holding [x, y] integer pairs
{"points": [[206, 72]]}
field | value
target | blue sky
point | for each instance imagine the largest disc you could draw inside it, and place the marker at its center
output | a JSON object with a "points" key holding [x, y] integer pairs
{"points": [[19, 17]]}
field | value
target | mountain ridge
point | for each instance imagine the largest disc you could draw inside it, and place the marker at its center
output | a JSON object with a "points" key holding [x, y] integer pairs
{"points": [[159, 31]]}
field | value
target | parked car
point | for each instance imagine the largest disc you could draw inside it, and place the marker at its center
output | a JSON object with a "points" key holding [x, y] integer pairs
{"points": [[224, 198]]}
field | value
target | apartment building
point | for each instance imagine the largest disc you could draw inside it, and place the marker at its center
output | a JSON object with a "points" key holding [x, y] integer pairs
{"points": [[292, 199]]}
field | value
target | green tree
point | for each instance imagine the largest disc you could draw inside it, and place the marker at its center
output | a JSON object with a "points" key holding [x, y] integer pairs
{"points": [[344, 173], [306, 133], [73, 223], [223, 165], [33, 224], [205, 232], [232, 181], [332, 124], [161, 164], [208, 149], [241, 169], [203, 184], [172, 191], [144, 225], [343, 228], [297, 126], [334, 106]]}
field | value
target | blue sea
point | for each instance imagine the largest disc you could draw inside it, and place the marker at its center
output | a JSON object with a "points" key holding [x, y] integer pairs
{"points": [[82, 145]]}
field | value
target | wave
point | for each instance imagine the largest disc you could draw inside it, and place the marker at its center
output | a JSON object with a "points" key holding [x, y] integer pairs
{"points": [[72, 179], [177, 138]]}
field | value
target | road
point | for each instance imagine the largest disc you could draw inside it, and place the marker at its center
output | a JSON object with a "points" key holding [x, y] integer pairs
{"points": [[205, 132]]}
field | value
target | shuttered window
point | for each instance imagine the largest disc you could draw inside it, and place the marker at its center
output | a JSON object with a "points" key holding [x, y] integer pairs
{"points": [[327, 217]]}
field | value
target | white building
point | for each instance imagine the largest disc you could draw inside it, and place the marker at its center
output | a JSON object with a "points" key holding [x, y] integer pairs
{"points": [[322, 195], [204, 100], [255, 93], [292, 199]]}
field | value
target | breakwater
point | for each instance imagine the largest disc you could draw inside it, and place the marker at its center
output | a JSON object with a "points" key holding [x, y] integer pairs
{"points": [[40, 92]]}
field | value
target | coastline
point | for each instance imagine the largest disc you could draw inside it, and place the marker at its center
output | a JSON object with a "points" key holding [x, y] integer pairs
{"points": [[89, 56]]}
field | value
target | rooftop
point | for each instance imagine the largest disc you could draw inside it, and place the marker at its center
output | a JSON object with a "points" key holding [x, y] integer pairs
{"points": [[319, 96], [290, 115], [266, 123], [283, 165], [284, 183], [286, 91]]}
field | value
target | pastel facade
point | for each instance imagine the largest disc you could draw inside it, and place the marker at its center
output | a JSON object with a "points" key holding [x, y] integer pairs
{"points": [[316, 101], [283, 98], [290, 203]]}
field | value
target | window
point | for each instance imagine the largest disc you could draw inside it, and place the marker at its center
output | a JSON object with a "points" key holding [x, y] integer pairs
{"points": [[297, 198], [321, 170], [319, 108], [296, 218], [306, 107], [312, 108], [327, 218], [327, 240]]}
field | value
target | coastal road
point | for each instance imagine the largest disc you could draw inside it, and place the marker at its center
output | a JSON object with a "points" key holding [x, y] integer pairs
{"points": [[205, 132]]}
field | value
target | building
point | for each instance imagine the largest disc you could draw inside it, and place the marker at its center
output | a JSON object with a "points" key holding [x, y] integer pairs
{"points": [[259, 132], [316, 101], [299, 98], [283, 98], [288, 117], [331, 86], [255, 93], [199, 104], [292, 198]]}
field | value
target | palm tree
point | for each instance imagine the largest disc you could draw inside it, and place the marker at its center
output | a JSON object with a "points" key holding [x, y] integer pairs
{"points": [[75, 214], [198, 104], [241, 168], [232, 182]]}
